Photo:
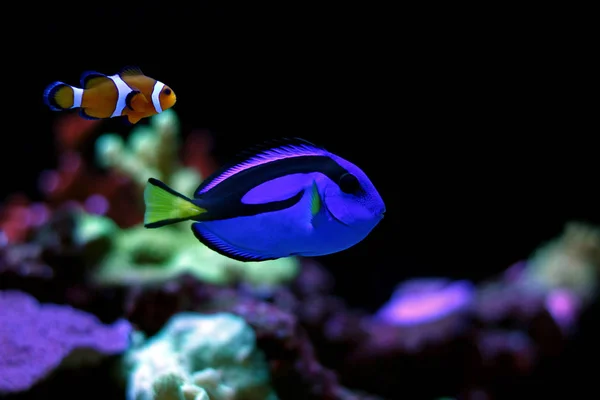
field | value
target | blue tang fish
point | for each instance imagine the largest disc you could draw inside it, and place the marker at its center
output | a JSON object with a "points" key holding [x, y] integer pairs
{"points": [[282, 198]]}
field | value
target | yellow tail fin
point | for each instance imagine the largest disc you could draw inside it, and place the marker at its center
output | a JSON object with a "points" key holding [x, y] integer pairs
{"points": [[165, 206], [60, 96], [64, 97]]}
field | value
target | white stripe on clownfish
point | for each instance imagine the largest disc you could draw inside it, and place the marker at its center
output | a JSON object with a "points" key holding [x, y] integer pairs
{"points": [[123, 91], [77, 96], [158, 87]]}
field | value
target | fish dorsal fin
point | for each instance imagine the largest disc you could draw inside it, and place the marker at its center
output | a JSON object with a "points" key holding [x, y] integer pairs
{"points": [[131, 71], [136, 101], [90, 79], [269, 151]]}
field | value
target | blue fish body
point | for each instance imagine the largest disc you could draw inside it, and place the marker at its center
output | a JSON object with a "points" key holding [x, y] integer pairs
{"points": [[280, 199]]}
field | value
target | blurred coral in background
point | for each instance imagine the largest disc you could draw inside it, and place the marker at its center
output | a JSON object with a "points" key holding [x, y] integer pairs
{"points": [[164, 317]]}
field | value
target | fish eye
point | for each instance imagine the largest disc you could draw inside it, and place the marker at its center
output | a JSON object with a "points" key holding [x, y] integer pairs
{"points": [[349, 183], [167, 91]]}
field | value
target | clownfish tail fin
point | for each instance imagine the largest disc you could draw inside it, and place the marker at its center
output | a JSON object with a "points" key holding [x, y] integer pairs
{"points": [[59, 96], [165, 206]]}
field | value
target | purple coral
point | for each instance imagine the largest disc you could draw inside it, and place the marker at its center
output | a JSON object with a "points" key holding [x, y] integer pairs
{"points": [[564, 306], [35, 338], [425, 300]]}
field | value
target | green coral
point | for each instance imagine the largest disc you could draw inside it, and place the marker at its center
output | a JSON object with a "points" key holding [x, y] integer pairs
{"points": [[150, 151], [199, 357], [95, 235], [571, 261], [140, 255]]}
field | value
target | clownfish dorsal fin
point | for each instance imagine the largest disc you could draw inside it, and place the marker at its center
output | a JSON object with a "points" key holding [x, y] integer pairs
{"points": [[131, 71], [90, 79], [136, 101]]}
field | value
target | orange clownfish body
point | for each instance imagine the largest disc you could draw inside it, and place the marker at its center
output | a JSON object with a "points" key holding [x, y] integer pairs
{"points": [[129, 93]]}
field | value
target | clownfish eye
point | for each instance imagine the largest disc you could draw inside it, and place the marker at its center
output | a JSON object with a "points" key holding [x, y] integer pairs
{"points": [[349, 183], [167, 91]]}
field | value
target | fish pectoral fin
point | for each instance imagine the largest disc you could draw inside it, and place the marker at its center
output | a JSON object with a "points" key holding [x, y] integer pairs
{"points": [[316, 206], [136, 101], [315, 199], [224, 248], [133, 119]]}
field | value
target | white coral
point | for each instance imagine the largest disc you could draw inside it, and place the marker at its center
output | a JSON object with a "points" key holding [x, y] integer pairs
{"points": [[199, 357]]}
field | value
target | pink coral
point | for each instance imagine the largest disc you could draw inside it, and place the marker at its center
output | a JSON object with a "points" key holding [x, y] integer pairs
{"points": [[197, 152], [72, 131], [19, 216], [35, 339], [424, 300]]}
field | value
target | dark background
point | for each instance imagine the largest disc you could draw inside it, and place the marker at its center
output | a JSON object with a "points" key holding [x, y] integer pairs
{"points": [[477, 125]]}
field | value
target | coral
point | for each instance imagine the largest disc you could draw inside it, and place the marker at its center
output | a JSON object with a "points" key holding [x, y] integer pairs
{"points": [[150, 151], [197, 152], [19, 217], [355, 344], [84, 246], [501, 305], [453, 329], [417, 355], [50, 252], [72, 132], [563, 273], [565, 307], [419, 301], [295, 370], [54, 264], [98, 192], [571, 261], [200, 357], [35, 339], [97, 195], [504, 357], [139, 255], [306, 332], [74, 180]]}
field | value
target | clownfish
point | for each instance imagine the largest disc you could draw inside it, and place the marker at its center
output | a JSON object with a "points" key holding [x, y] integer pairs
{"points": [[129, 93]]}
